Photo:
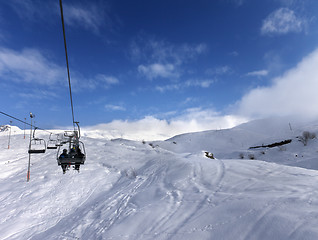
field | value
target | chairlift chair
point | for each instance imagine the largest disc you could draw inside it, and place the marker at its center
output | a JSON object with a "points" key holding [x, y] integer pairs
{"points": [[51, 144], [76, 154], [59, 141], [67, 137], [37, 145]]}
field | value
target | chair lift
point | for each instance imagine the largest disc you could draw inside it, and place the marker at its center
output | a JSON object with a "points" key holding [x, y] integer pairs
{"points": [[37, 145], [51, 144], [76, 154], [59, 141]]}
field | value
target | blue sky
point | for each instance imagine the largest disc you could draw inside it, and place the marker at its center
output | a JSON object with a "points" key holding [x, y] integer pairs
{"points": [[175, 61]]}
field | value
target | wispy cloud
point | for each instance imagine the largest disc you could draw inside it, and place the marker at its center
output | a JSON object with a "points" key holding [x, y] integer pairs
{"points": [[112, 107], [260, 73], [148, 50], [218, 70], [189, 100], [29, 65], [90, 17], [294, 93], [156, 70], [34, 10], [107, 80], [98, 81], [38, 94], [169, 87], [161, 58], [282, 21], [32, 66], [186, 84]]}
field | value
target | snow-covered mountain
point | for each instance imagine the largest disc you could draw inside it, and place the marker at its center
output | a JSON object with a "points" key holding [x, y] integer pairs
{"points": [[167, 189], [6, 128], [238, 142]]}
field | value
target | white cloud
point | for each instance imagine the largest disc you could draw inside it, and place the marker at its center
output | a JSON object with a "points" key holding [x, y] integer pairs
{"points": [[90, 17], [259, 73], [98, 81], [148, 50], [34, 10], [29, 65], [294, 93], [112, 107], [199, 83], [158, 70], [161, 59], [169, 87], [38, 94], [189, 83], [108, 80], [151, 128], [282, 21], [189, 100]]}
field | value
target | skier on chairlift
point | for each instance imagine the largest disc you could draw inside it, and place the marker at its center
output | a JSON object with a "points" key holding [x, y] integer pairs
{"points": [[78, 154], [64, 155]]}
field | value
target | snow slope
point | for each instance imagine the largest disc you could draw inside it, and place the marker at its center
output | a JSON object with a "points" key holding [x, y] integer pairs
{"points": [[163, 190]]}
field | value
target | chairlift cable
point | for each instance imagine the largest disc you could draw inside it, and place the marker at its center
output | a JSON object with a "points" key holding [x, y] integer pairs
{"points": [[67, 65], [77, 157], [26, 123], [14, 118]]}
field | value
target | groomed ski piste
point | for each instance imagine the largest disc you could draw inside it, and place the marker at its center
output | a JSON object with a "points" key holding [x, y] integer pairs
{"points": [[166, 189]]}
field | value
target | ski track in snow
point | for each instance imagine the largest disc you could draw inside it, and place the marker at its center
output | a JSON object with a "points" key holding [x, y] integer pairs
{"points": [[130, 190]]}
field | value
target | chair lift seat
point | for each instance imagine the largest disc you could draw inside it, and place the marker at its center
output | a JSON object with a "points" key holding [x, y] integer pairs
{"points": [[37, 145], [51, 144], [71, 160], [52, 147], [76, 150], [36, 151]]}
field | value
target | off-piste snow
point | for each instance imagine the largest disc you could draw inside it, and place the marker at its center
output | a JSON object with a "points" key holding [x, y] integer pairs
{"points": [[166, 189]]}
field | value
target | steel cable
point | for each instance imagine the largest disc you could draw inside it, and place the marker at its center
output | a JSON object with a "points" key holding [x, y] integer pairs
{"points": [[67, 65]]}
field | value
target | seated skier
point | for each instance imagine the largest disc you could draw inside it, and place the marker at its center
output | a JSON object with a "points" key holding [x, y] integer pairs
{"points": [[64, 155], [78, 154]]}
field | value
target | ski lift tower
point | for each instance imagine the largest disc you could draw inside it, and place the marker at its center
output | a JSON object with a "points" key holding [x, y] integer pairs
{"points": [[28, 174], [9, 135]]}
